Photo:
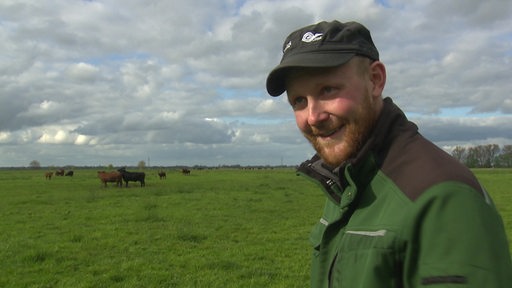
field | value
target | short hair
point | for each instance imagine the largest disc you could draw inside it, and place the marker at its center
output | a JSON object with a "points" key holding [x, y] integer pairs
{"points": [[362, 65]]}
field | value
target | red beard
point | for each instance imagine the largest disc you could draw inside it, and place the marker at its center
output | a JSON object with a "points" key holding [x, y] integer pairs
{"points": [[356, 130]]}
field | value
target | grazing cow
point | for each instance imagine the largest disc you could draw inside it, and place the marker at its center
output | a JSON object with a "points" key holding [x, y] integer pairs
{"points": [[133, 176], [59, 172], [48, 175], [185, 171], [162, 175], [70, 173], [113, 176]]}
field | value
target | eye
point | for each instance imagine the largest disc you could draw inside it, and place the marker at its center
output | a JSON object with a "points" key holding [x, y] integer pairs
{"points": [[328, 90], [299, 103]]}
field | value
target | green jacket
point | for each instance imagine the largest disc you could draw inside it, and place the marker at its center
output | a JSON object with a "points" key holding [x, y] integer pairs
{"points": [[403, 213]]}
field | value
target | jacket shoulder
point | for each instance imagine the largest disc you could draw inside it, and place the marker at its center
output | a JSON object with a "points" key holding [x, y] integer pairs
{"points": [[415, 164]]}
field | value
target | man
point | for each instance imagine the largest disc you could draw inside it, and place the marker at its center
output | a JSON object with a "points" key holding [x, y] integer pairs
{"points": [[400, 212]]}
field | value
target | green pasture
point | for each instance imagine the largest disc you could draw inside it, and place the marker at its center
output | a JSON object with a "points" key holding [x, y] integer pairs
{"points": [[213, 228]]}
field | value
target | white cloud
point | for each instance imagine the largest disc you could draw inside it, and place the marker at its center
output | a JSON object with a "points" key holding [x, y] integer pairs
{"points": [[83, 140], [91, 82], [83, 71], [5, 137]]}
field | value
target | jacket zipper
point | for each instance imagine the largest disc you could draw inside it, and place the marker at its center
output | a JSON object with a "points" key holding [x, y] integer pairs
{"points": [[329, 185]]}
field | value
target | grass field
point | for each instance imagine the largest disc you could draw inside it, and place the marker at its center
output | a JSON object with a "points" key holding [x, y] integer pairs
{"points": [[214, 228]]}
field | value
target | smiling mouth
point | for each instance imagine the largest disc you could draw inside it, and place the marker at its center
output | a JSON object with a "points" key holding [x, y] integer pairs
{"points": [[329, 133]]}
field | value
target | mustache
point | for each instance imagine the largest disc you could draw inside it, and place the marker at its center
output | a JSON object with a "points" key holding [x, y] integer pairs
{"points": [[325, 128]]}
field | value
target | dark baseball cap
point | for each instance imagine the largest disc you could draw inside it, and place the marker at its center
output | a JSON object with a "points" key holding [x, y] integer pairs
{"points": [[325, 44]]}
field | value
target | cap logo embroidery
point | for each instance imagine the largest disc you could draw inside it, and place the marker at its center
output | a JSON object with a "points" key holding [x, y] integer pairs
{"points": [[310, 37], [287, 46]]}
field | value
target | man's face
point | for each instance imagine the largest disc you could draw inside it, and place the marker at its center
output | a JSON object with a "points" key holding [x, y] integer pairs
{"points": [[334, 108]]}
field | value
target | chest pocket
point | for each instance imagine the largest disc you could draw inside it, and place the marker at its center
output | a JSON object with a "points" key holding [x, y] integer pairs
{"points": [[367, 258]]}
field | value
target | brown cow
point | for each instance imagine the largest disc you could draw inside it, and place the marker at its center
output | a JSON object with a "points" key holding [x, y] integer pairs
{"points": [[59, 172], [162, 175], [185, 171], [113, 176], [48, 175]]}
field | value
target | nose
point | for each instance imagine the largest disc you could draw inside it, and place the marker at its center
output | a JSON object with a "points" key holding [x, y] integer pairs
{"points": [[316, 112]]}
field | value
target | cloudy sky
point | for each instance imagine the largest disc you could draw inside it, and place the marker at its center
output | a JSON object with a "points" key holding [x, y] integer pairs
{"points": [[183, 82]]}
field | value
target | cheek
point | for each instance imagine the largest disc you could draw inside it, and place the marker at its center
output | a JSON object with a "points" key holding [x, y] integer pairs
{"points": [[301, 120], [343, 106]]}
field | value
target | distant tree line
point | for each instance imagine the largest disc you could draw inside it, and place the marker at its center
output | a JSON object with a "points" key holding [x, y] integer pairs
{"points": [[484, 156]]}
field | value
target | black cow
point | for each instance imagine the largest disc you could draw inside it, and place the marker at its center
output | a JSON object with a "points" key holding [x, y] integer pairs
{"points": [[69, 173], [133, 176]]}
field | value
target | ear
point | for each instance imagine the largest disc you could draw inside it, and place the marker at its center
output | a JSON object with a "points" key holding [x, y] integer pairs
{"points": [[378, 78]]}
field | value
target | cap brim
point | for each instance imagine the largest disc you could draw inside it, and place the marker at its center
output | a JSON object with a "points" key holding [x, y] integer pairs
{"points": [[276, 80]]}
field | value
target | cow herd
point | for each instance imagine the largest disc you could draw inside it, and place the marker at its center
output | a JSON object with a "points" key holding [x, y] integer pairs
{"points": [[60, 172], [116, 177]]}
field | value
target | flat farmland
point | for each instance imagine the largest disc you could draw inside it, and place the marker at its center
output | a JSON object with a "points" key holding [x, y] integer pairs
{"points": [[212, 228]]}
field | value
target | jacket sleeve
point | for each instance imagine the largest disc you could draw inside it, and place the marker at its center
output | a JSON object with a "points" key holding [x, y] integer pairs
{"points": [[456, 239]]}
